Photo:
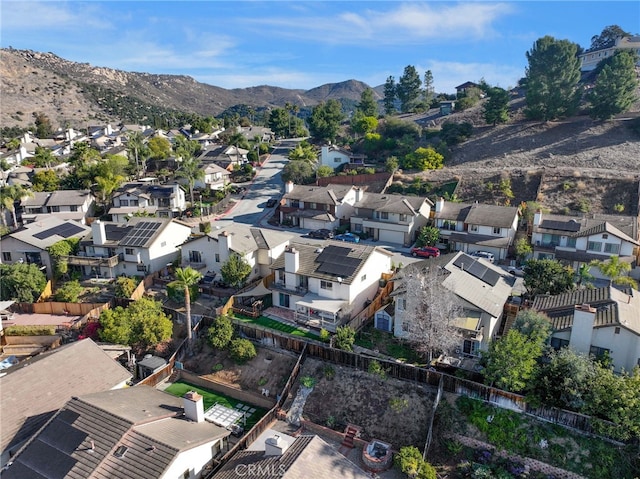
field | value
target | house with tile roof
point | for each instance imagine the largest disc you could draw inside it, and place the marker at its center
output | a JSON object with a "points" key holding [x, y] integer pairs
{"points": [[68, 204], [136, 248], [137, 432], [596, 321], [334, 156], [34, 389], [29, 243], [164, 201], [316, 207], [327, 285], [580, 240], [258, 246], [279, 455], [482, 287], [389, 218], [476, 227]]}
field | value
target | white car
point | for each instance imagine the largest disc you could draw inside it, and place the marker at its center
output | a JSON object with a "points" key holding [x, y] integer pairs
{"points": [[484, 255]]}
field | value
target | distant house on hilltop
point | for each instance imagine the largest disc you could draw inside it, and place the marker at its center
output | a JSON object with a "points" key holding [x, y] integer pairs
{"points": [[589, 60]]}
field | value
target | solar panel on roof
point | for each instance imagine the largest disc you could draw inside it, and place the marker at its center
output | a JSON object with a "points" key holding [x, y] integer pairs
{"points": [[65, 230], [66, 437], [572, 226], [477, 269], [336, 260], [141, 233], [40, 456]]}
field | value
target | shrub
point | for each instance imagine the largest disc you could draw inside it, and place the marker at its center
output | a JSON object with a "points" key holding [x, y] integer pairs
{"points": [[325, 335], [218, 367], [30, 331], [242, 350], [330, 422], [376, 369], [125, 287], [398, 404], [345, 337], [308, 381], [329, 372], [618, 207], [69, 292], [205, 227], [220, 332]]}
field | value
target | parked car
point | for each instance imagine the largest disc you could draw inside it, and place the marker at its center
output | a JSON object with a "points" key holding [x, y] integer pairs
{"points": [[516, 271], [425, 252], [348, 237], [484, 255], [321, 234], [272, 202]]}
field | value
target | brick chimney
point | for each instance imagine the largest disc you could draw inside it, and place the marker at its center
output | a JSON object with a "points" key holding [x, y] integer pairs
{"points": [[193, 406], [99, 233], [582, 329], [291, 259]]}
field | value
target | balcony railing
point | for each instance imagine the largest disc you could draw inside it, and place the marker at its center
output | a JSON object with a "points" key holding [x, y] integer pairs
{"points": [[110, 262], [282, 286], [547, 245]]}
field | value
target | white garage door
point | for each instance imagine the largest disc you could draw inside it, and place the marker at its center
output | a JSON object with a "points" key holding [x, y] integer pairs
{"points": [[387, 236], [314, 224]]}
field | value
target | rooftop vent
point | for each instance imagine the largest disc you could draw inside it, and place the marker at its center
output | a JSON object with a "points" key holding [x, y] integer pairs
{"points": [[121, 451]]}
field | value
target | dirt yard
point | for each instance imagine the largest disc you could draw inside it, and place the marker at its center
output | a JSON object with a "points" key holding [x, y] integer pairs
{"points": [[387, 409], [268, 370]]}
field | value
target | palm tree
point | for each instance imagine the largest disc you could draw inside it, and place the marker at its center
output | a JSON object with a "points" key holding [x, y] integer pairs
{"points": [[9, 196], [106, 185], [583, 274], [616, 270], [190, 170], [185, 278], [137, 150]]}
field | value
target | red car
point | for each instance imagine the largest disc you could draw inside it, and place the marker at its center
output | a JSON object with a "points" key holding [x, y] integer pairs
{"points": [[425, 252]]}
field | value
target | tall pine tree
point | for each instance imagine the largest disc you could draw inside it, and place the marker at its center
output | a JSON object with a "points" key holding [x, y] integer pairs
{"points": [[615, 88], [389, 96], [408, 89]]}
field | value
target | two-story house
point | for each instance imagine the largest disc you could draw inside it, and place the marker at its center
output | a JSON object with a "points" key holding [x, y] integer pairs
{"points": [[389, 218], [589, 60], [29, 244], [482, 288], [136, 248], [164, 201], [476, 227], [327, 285], [596, 321], [215, 177], [66, 204], [334, 156], [259, 248], [139, 432], [579, 240]]}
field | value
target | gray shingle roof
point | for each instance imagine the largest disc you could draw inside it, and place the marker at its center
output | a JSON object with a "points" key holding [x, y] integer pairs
{"points": [[326, 195], [27, 233], [48, 381], [407, 205], [479, 214]]}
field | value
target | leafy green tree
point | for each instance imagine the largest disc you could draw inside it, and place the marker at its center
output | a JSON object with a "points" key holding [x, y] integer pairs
{"points": [[363, 124], [552, 79], [368, 105], [45, 180], [408, 89], [279, 121], [607, 37], [615, 89], [469, 98], [220, 332], [324, 171], [583, 275], [69, 292], [615, 270], [14, 144], [496, 109], [409, 460], [325, 120], [21, 282], [137, 151], [345, 338], [303, 152], [534, 325], [125, 287], [106, 185], [159, 148], [547, 276], [423, 159], [428, 236], [298, 172], [523, 249], [242, 350], [58, 253], [511, 361], [391, 164], [82, 155], [186, 278], [235, 270], [141, 324], [389, 96]]}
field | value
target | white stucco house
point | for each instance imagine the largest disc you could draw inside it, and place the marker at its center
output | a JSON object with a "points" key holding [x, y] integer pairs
{"points": [[66, 204], [589, 60], [259, 247], [136, 248], [596, 321], [327, 285], [482, 288], [476, 227], [334, 156], [164, 201]]}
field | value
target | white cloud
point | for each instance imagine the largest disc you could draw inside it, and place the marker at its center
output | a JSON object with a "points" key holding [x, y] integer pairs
{"points": [[28, 16]]}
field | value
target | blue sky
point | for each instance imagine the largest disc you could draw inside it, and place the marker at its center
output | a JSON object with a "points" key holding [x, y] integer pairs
{"points": [[305, 44]]}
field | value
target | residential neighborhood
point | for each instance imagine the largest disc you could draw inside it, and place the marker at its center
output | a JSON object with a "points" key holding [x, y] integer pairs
{"points": [[321, 291]]}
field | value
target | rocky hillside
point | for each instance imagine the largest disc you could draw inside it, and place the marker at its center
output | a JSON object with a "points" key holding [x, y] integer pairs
{"points": [[75, 94]]}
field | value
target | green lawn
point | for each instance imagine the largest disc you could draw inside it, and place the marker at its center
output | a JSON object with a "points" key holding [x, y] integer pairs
{"points": [[210, 398], [278, 326]]}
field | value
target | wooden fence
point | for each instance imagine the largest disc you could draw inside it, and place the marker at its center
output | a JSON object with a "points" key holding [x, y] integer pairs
{"points": [[55, 307], [360, 319]]}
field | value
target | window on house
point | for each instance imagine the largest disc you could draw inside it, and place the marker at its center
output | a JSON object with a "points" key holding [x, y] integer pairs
{"points": [[295, 203], [611, 248], [129, 251], [163, 214], [405, 326], [384, 215], [337, 159], [473, 228], [217, 258], [74, 208], [284, 300], [326, 284], [470, 347], [357, 228], [403, 218], [124, 202], [496, 230], [557, 343], [363, 277], [571, 242], [594, 246], [6, 256], [135, 202], [195, 257], [617, 330], [598, 352], [605, 236], [281, 275], [311, 206], [54, 209]]}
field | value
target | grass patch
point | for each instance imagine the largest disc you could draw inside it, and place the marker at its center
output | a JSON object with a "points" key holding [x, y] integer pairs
{"points": [[180, 388], [387, 343], [278, 326]]}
